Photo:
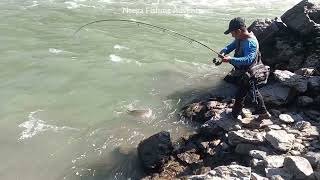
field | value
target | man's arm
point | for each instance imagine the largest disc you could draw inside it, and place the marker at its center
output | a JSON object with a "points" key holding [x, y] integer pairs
{"points": [[249, 54], [229, 48]]}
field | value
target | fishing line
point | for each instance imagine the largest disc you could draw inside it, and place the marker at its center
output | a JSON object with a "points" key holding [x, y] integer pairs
{"points": [[164, 30]]}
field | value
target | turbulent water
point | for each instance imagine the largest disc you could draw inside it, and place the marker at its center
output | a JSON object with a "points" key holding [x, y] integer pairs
{"points": [[64, 98]]}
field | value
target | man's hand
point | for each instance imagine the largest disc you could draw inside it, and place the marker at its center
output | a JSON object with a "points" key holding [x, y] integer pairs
{"points": [[226, 59]]}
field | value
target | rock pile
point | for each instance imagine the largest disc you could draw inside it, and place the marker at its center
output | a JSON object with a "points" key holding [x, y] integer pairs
{"points": [[286, 146]]}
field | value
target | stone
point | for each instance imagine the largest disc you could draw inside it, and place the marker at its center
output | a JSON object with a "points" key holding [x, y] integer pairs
{"points": [[244, 149], [274, 127], [304, 101], [297, 18], [280, 139], [298, 147], [293, 80], [295, 63], [258, 154], [275, 94], [196, 112], [307, 72], [301, 125], [265, 29], [225, 172], [286, 118], [245, 136], [313, 115], [210, 129], [276, 173], [189, 157], [255, 176], [314, 84], [155, 151], [312, 61], [313, 158], [274, 161], [227, 122], [298, 166]]}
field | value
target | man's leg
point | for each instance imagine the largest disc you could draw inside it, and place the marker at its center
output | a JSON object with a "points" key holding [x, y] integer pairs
{"points": [[261, 108], [239, 103]]}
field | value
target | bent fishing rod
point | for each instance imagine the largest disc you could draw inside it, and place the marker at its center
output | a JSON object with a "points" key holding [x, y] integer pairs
{"points": [[165, 30]]}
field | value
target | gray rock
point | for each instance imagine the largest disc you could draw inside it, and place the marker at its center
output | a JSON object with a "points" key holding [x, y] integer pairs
{"points": [[276, 94], [295, 63], [312, 61], [297, 18], [154, 151], [245, 136], [255, 176], [280, 139], [313, 115], [314, 84], [286, 118], [293, 80], [313, 158], [244, 149], [274, 161], [189, 157], [307, 72], [258, 154], [278, 173], [225, 172], [304, 101], [299, 167], [265, 29]]}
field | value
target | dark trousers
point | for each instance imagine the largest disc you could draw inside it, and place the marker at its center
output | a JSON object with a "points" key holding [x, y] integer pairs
{"points": [[244, 89]]}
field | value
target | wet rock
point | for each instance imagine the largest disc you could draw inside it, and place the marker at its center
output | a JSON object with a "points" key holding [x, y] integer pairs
{"points": [[258, 154], [154, 151], [299, 167], [297, 18], [189, 157], [286, 118], [313, 158], [210, 129], [224, 121], [196, 112], [245, 136], [293, 80], [225, 172], [274, 161], [278, 174], [276, 94], [280, 139], [304, 101]]}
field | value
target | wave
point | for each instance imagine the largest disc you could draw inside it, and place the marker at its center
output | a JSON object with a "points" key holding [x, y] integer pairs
{"points": [[35, 126]]}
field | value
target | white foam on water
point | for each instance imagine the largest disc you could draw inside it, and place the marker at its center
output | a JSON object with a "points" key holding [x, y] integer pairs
{"points": [[115, 58], [119, 47], [35, 126], [55, 51]]}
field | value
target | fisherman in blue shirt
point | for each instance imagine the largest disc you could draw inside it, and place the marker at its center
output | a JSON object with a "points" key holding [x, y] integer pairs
{"points": [[246, 55]]}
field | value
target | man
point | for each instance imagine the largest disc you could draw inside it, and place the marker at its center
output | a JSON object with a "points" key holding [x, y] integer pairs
{"points": [[246, 55]]}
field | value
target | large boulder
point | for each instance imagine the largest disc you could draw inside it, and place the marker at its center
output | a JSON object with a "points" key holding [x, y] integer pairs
{"points": [[275, 94], [280, 139], [293, 80], [298, 19], [265, 29], [298, 166], [225, 172], [155, 151]]}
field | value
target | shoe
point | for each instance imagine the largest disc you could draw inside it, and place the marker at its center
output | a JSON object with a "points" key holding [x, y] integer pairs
{"points": [[263, 116]]}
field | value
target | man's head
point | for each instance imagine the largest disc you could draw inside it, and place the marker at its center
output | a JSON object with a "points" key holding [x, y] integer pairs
{"points": [[237, 27]]}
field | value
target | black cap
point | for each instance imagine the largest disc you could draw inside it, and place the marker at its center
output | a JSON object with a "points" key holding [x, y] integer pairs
{"points": [[236, 23]]}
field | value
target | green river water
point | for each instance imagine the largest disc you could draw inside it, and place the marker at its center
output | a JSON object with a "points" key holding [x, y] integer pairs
{"points": [[64, 98]]}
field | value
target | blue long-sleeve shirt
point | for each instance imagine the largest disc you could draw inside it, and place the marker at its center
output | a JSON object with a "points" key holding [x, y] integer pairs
{"points": [[250, 47]]}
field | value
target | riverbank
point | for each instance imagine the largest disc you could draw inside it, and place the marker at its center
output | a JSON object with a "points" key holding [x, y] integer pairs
{"points": [[286, 146]]}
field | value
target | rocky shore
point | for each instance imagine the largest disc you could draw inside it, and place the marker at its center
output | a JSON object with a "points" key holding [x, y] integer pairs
{"points": [[286, 146]]}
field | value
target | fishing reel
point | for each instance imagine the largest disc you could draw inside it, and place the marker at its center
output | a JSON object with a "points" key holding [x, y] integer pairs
{"points": [[217, 61]]}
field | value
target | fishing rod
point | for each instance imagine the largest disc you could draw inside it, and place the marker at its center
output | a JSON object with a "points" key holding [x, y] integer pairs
{"points": [[169, 31]]}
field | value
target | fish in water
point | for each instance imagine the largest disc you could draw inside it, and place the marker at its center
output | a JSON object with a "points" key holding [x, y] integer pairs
{"points": [[142, 113]]}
